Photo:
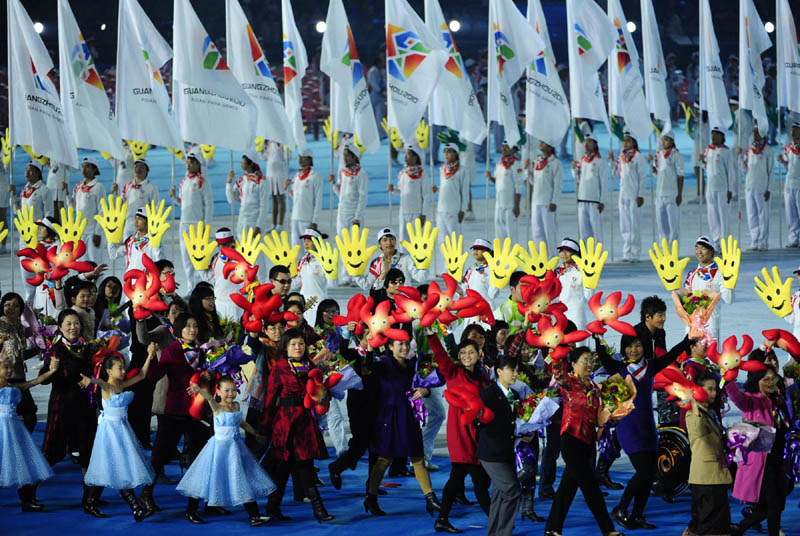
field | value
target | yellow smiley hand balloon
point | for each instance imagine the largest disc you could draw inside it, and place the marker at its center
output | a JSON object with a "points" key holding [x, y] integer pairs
{"points": [[157, 222], [669, 267], [278, 250], [730, 262], [421, 242], [138, 149], [26, 227], [423, 133], [199, 245], [3, 232], [327, 256], [591, 262], [776, 295], [112, 218], [6, 142], [455, 260], [42, 159], [71, 230], [208, 151], [353, 250], [259, 143], [178, 153], [330, 133], [502, 264], [249, 245], [534, 262]]}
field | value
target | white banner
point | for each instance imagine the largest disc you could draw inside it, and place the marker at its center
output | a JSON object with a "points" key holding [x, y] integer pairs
{"points": [[788, 58], [655, 69], [713, 97], [295, 63]]}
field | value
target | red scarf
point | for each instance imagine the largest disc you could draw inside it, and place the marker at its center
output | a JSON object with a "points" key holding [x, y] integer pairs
{"points": [[85, 188], [355, 170], [303, 173], [450, 169], [197, 176], [588, 158], [712, 147], [414, 172], [627, 156], [306, 258], [541, 162], [758, 149], [133, 184], [256, 177], [27, 192], [508, 161], [793, 147]]}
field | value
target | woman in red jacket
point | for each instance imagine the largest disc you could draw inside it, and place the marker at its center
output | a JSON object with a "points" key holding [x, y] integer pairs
{"points": [[296, 439], [461, 440]]}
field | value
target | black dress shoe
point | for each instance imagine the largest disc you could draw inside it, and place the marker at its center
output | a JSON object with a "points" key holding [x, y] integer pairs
{"points": [[371, 505], [532, 516], [382, 491], [432, 503], [403, 472], [605, 480], [550, 494], [32, 507], [462, 499], [443, 525], [257, 521], [216, 511], [639, 522], [194, 519], [336, 478], [621, 517], [91, 509]]}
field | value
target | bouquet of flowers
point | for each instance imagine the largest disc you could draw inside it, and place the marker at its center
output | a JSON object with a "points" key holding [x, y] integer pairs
{"points": [[427, 375], [616, 399], [745, 437], [227, 359], [534, 413], [349, 380], [231, 329], [693, 300], [792, 370]]}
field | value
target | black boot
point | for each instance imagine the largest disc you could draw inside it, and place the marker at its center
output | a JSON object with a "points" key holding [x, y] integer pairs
{"points": [[216, 511], [335, 473], [256, 519], [621, 517], [274, 506], [316, 503], [191, 513], [139, 513], [462, 499], [602, 475], [27, 494], [432, 503], [526, 507], [147, 501], [371, 505], [89, 501], [442, 523]]}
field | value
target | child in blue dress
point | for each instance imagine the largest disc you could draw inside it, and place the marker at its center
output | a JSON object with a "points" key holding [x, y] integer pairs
{"points": [[22, 464], [225, 473], [117, 460]]}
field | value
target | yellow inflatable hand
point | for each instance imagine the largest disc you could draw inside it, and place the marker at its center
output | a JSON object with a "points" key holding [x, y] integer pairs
{"points": [[177, 153], [259, 143], [668, 265], [138, 148], [208, 151], [354, 251], [199, 245], [501, 264], [72, 226], [3, 232], [112, 218], [6, 149], [420, 243], [534, 261], [332, 135], [157, 224], [42, 159], [357, 143], [26, 226], [455, 260], [249, 245], [278, 250], [591, 262], [776, 295], [423, 134], [730, 262], [327, 256], [394, 135]]}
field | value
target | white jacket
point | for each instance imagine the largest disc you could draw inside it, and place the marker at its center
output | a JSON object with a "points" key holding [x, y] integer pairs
{"points": [[86, 199], [369, 280], [310, 281], [196, 199], [791, 153], [277, 162], [669, 166], [632, 172], [508, 182], [709, 278], [133, 249], [37, 196], [223, 288], [758, 165], [547, 175], [453, 190], [720, 170], [58, 174], [306, 189], [352, 189], [591, 175], [794, 317], [477, 279], [411, 183], [573, 293], [252, 191], [138, 196]]}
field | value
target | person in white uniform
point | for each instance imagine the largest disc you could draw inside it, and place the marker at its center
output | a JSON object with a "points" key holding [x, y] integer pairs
{"points": [[631, 169], [546, 177], [467, 159], [310, 278], [389, 257], [223, 288], [573, 293], [86, 198], [251, 191], [4, 200], [137, 192], [136, 245], [590, 174], [700, 136], [721, 184], [477, 277], [791, 190], [668, 168], [707, 276], [758, 166], [453, 192], [509, 178], [197, 204], [35, 194], [411, 182], [306, 191], [277, 172], [794, 317], [58, 184], [125, 166], [742, 129], [352, 188]]}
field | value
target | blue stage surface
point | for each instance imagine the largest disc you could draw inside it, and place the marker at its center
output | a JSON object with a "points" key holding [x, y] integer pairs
{"points": [[404, 504]]}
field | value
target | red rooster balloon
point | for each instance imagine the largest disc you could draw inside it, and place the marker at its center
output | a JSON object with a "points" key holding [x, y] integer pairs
{"points": [[35, 263], [609, 312], [552, 336], [317, 390], [380, 323], [238, 270], [208, 385], [142, 289], [730, 360], [354, 307], [66, 259], [783, 340], [538, 296], [679, 387], [468, 399], [480, 309], [410, 306]]}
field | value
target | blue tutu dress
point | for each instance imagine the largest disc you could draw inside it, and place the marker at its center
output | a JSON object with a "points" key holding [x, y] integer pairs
{"points": [[21, 461], [117, 460], [225, 473]]}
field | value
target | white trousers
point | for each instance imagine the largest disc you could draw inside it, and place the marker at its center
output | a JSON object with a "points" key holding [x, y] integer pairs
{"points": [[791, 201], [437, 413], [447, 223], [192, 277], [757, 218], [297, 228], [544, 226], [717, 209], [504, 223], [589, 223], [337, 413], [667, 217], [406, 217], [629, 227]]}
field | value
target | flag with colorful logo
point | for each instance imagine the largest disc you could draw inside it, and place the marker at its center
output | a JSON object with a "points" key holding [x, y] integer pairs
{"points": [[295, 63], [546, 108], [414, 60], [212, 107], [753, 41], [713, 97], [788, 54], [249, 65], [513, 45], [590, 39], [625, 83], [36, 117], [454, 103], [351, 108], [142, 105], [655, 69], [85, 103]]}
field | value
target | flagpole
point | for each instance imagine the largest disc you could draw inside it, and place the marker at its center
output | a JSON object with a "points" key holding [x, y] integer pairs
{"points": [[172, 200], [488, 128], [782, 136], [334, 178], [114, 260], [233, 212], [611, 194], [430, 152], [11, 152], [652, 185], [739, 177], [389, 136]]}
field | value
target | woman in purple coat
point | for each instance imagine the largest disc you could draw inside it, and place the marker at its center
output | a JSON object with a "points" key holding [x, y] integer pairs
{"points": [[762, 478], [397, 433]]}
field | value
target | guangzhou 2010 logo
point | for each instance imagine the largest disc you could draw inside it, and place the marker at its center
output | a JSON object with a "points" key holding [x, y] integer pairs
{"points": [[405, 52]]}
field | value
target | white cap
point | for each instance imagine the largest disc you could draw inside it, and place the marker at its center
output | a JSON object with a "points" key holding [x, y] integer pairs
{"points": [[505, 142], [733, 100], [414, 148], [706, 241], [311, 233], [797, 271], [93, 161], [386, 231], [142, 161], [668, 134], [481, 244], [35, 164], [569, 244], [306, 152], [352, 148], [718, 129], [796, 124], [223, 236], [451, 146], [196, 155], [45, 222], [251, 156], [589, 136], [141, 212], [628, 134]]}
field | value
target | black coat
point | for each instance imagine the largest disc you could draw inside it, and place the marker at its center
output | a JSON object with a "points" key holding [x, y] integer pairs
{"points": [[651, 341], [496, 439]]}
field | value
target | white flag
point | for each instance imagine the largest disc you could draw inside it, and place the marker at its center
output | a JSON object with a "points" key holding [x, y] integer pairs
{"points": [[36, 117], [351, 108], [788, 58], [514, 46], [295, 63], [590, 39], [141, 103], [414, 60], [625, 83], [753, 41], [713, 97], [454, 103], [546, 107], [249, 65], [85, 103], [211, 105], [655, 70]]}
